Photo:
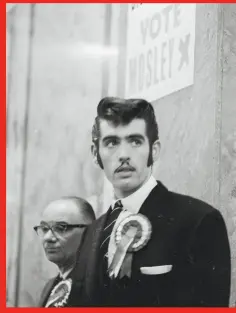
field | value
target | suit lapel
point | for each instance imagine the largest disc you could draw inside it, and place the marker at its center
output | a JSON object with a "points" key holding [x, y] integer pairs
{"points": [[46, 292], [86, 270], [154, 202], [93, 259]]}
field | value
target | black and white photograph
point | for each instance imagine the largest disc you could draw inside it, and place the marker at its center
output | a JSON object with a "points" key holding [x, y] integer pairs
{"points": [[120, 155]]}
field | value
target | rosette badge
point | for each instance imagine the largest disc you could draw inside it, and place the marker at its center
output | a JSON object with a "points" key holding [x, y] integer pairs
{"points": [[131, 235], [143, 231], [60, 294]]}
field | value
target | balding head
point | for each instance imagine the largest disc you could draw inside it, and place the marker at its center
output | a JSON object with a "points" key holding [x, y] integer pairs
{"points": [[72, 210], [84, 207]]}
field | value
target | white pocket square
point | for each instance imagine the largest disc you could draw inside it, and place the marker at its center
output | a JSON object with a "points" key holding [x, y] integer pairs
{"points": [[156, 270]]}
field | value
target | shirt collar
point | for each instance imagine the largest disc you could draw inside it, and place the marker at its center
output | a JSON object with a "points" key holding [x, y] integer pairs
{"points": [[66, 273], [134, 202]]}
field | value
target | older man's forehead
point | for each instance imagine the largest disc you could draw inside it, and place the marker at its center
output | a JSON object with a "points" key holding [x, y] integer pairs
{"points": [[62, 210]]}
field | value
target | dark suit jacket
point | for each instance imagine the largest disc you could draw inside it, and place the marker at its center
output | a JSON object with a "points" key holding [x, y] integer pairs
{"points": [[186, 233]]}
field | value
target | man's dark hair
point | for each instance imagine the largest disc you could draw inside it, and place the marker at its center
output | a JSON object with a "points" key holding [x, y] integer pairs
{"points": [[121, 112], [84, 207]]}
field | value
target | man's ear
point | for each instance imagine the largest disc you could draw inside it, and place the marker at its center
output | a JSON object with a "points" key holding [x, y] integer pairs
{"points": [[156, 149], [96, 155], [94, 152]]}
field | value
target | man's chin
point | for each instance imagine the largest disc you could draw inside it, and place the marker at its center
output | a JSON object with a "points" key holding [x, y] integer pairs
{"points": [[126, 185], [54, 258]]}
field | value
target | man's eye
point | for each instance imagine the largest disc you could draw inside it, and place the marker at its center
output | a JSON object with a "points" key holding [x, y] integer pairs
{"points": [[111, 143], [44, 229], [136, 142], [60, 228]]}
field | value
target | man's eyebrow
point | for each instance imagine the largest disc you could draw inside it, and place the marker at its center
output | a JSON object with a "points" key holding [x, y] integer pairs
{"points": [[129, 136], [110, 137], [135, 136]]}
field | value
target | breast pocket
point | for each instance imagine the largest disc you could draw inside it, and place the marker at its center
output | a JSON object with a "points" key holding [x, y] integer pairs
{"points": [[156, 270]]}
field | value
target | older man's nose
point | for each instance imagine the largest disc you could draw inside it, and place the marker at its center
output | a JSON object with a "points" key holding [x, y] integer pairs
{"points": [[49, 236]]}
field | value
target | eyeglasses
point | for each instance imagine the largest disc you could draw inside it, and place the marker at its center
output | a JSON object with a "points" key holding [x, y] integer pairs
{"points": [[57, 229]]}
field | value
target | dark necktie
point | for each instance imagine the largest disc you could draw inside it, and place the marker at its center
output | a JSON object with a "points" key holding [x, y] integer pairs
{"points": [[111, 220], [110, 287]]}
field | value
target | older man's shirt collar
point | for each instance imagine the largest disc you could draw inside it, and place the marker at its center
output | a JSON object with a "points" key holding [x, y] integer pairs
{"points": [[66, 273]]}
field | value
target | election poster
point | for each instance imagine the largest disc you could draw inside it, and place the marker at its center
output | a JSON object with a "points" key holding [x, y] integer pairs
{"points": [[160, 49]]}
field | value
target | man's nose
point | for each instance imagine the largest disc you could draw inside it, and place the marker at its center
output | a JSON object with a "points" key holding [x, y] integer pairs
{"points": [[124, 153], [49, 236]]}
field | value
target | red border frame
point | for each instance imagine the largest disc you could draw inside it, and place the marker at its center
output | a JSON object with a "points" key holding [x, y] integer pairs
{"points": [[3, 175], [3, 154]]}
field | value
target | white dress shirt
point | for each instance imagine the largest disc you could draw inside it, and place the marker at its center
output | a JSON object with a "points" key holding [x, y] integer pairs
{"points": [[131, 205]]}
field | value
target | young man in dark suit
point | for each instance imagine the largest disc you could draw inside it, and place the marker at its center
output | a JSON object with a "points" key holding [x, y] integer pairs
{"points": [[153, 247], [62, 230]]}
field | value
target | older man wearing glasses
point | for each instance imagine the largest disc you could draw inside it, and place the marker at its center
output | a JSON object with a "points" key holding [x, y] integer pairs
{"points": [[61, 231]]}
